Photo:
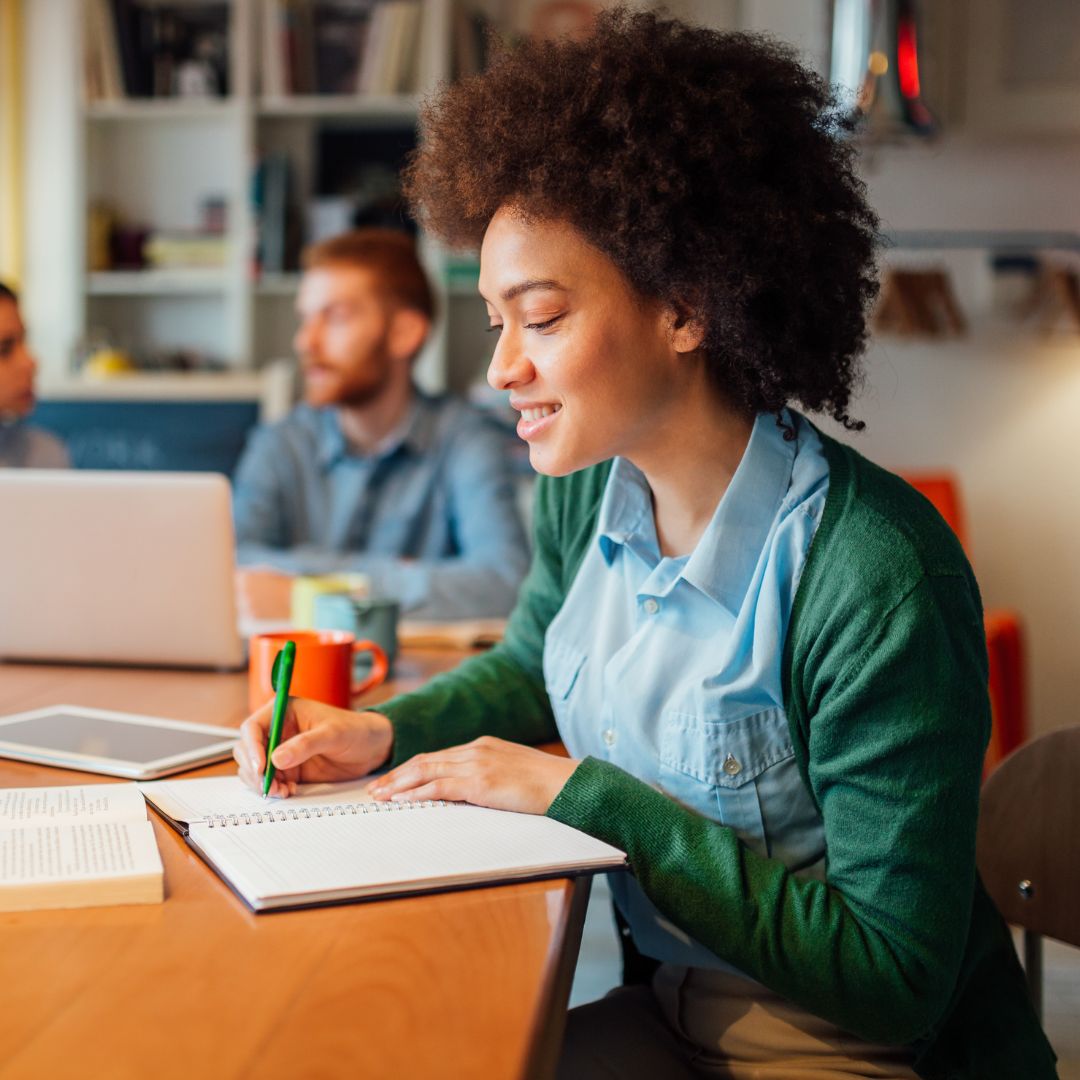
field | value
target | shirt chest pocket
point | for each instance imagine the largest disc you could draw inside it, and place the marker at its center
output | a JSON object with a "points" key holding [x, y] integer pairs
{"points": [[563, 665], [741, 773]]}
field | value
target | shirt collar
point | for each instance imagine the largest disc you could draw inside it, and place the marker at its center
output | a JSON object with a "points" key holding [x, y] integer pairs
{"points": [[723, 562], [415, 433], [625, 516]]}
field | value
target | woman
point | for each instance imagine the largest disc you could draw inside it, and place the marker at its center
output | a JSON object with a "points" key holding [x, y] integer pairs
{"points": [[763, 654], [21, 444]]}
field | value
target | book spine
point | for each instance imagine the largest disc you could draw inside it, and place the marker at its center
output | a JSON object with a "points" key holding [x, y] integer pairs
{"points": [[310, 813]]}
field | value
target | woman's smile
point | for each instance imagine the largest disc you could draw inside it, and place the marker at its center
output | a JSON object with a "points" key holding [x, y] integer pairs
{"points": [[535, 419]]}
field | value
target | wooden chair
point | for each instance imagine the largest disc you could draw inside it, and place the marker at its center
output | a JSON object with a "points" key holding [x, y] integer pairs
{"points": [[1028, 848], [1004, 634]]}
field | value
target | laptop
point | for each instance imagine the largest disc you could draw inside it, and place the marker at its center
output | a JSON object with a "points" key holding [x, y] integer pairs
{"points": [[118, 567]]}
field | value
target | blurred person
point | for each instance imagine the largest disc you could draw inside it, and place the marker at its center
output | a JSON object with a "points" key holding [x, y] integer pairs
{"points": [[368, 474], [21, 445]]}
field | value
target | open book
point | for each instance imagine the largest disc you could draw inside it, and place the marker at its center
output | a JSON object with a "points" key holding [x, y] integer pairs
{"points": [[64, 847], [333, 842]]}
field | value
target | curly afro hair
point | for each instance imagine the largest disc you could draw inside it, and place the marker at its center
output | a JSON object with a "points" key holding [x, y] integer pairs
{"points": [[709, 167]]}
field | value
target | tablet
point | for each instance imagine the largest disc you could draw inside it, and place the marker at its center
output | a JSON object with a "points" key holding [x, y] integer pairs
{"points": [[114, 743]]}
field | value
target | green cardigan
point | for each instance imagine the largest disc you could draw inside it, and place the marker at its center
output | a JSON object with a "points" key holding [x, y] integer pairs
{"points": [[885, 675]]}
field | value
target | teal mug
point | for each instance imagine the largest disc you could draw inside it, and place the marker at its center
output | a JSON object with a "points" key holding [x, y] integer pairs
{"points": [[369, 618]]}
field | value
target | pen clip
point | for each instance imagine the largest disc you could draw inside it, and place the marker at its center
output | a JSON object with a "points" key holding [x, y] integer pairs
{"points": [[275, 669]]}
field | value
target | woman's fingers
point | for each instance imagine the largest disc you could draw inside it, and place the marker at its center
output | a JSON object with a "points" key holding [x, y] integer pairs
{"points": [[254, 734], [420, 769], [486, 772], [292, 753], [447, 788], [280, 787]]}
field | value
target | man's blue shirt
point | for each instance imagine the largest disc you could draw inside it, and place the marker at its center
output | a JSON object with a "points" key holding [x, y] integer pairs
{"points": [[431, 515]]}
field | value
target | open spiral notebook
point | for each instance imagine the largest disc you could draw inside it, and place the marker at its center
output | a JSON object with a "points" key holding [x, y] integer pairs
{"points": [[333, 842]]}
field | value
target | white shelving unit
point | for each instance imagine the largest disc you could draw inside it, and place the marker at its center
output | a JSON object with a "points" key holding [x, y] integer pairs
{"points": [[153, 161]]}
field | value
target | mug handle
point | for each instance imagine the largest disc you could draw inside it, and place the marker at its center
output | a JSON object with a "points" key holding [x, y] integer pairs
{"points": [[379, 666]]}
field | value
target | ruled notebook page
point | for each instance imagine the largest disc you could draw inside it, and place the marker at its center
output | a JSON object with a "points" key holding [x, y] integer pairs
{"points": [[393, 850]]}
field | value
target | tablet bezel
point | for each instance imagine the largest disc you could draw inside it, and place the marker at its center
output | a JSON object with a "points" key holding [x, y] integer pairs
{"points": [[132, 770]]}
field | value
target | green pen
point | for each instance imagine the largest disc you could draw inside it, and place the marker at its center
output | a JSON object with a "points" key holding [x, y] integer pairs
{"points": [[280, 678]]}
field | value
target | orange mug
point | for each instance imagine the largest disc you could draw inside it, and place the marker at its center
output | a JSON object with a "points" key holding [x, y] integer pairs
{"points": [[323, 670]]}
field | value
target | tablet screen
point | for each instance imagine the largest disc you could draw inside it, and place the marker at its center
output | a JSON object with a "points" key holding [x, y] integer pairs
{"points": [[95, 736]]}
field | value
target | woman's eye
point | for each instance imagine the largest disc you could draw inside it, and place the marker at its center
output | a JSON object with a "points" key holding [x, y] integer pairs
{"points": [[494, 328], [542, 326]]}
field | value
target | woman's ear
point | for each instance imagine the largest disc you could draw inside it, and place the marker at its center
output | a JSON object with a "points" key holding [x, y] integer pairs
{"points": [[686, 331], [408, 331]]}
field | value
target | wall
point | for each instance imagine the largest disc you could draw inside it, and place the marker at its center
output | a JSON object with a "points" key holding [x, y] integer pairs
{"points": [[999, 407]]}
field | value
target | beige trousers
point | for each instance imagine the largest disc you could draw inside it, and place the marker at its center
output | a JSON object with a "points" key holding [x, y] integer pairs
{"points": [[698, 1022]]}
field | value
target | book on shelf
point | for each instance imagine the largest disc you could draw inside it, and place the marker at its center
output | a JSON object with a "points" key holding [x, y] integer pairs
{"points": [[139, 49], [390, 52], [344, 47], [470, 40], [102, 76], [87, 846], [185, 250], [275, 216], [333, 842]]}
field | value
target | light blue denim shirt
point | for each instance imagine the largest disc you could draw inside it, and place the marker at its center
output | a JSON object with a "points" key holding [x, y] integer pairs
{"points": [[431, 515], [26, 447], [670, 668]]}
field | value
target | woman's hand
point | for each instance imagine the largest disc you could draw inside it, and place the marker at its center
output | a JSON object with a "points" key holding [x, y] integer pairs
{"points": [[318, 743], [486, 772]]}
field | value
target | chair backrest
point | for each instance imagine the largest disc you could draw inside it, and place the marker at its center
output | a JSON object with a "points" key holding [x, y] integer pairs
{"points": [[1028, 848], [1029, 837]]}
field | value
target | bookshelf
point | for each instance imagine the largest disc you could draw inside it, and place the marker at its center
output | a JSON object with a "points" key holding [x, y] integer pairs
{"points": [[253, 149], [155, 162]]}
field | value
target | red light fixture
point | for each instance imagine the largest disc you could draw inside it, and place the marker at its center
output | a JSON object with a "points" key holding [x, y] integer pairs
{"points": [[875, 65]]}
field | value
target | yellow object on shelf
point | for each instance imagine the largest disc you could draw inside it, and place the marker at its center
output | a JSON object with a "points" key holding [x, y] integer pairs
{"points": [[100, 221], [106, 363]]}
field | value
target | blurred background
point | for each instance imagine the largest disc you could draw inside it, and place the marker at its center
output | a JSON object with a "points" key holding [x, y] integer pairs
{"points": [[162, 163]]}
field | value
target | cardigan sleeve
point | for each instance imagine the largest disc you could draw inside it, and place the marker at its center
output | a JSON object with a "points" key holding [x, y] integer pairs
{"points": [[896, 743], [501, 692]]}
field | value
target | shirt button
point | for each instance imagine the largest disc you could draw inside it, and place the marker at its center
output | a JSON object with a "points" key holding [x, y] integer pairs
{"points": [[608, 737], [651, 606], [732, 765]]}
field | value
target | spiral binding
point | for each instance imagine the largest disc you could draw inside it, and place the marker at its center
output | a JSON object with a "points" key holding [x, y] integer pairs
{"points": [[307, 813]]}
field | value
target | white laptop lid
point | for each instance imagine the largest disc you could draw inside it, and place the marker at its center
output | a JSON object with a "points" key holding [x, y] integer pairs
{"points": [[122, 567]]}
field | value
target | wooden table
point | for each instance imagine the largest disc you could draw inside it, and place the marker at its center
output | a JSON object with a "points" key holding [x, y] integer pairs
{"points": [[463, 984]]}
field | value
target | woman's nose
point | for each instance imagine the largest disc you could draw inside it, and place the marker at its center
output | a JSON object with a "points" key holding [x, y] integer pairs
{"points": [[509, 365]]}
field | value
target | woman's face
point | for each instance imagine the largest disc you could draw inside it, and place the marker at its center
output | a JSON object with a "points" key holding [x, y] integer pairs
{"points": [[17, 364], [590, 366]]}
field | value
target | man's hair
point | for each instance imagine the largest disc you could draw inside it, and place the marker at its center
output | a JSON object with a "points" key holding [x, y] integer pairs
{"points": [[7, 293], [390, 256], [711, 168]]}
